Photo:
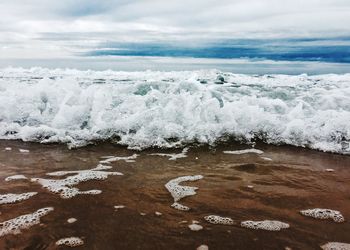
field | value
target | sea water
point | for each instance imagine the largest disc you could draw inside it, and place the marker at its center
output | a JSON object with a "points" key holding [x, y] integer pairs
{"points": [[171, 109]]}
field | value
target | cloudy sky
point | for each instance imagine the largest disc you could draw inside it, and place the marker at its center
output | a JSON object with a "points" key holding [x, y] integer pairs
{"points": [[197, 28]]}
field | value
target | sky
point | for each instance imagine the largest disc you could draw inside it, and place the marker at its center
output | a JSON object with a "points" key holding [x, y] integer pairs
{"points": [[288, 30]]}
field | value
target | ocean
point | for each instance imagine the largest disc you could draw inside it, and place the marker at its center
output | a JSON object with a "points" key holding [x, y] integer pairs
{"points": [[169, 109]]}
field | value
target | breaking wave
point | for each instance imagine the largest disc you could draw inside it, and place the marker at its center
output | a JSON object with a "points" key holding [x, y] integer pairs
{"points": [[170, 109]]}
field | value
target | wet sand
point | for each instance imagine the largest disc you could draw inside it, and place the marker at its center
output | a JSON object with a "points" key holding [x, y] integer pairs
{"points": [[294, 180]]}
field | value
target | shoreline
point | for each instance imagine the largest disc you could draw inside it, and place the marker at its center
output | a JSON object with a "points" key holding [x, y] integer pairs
{"points": [[193, 145]]}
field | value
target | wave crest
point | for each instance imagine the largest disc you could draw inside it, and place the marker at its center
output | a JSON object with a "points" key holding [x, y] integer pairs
{"points": [[168, 109]]}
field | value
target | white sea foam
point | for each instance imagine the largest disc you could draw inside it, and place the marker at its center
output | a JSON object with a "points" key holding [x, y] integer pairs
{"points": [[13, 198], [110, 159], [71, 220], [244, 151], [173, 157], [14, 226], [70, 242], [179, 206], [323, 214], [203, 247], [195, 227], [216, 219], [178, 192], [64, 187], [336, 246], [118, 207], [167, 109], [16, 177], [8, 149], [269, 225]]}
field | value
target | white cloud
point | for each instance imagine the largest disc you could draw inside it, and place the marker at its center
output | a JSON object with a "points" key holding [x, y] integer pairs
{"points": [[46, 28]]}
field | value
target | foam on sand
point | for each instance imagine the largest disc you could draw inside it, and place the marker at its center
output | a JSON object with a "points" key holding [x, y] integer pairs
{"points": [[269, 225], [70, 242], [266, 158], [16, 177], [8, 149], [179, 206], [13, 198], [118, 207], [336, 246], [195, 227], [173, 157], [203, 247], [64, 187], [178, 192], [71, 220], [244, 151], [23, 150], [216, 219], [14, 226], [110, 159], [323, 214]]}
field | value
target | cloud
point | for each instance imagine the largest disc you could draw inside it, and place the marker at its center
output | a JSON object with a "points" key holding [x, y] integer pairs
{"points": [[42, 28]]}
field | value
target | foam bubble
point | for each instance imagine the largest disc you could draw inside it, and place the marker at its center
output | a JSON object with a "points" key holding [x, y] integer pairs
{"points": [[14, 226], [244, 151], [70, 242], [16, 177], [8, 149], [64, 187], [336, 246], [173, 157], [178, 192], [13, 198], [203, 247], [92, 192], [323, 214], [266, 158], [269, 225], [158, 213], [71, 220], [23, 150], [216, 219], [118, 207], [179, 206], [195, 227], [110, 159]]}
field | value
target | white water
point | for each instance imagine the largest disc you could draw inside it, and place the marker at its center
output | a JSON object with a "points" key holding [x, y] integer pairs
{"points": [[169, 109]]}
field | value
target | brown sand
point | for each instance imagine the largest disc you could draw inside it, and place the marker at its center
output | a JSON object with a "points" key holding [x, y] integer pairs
{"points": [[296, 179]]}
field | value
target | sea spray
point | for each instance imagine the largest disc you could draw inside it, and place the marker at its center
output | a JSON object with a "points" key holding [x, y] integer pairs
{"points": [[169, 109]]}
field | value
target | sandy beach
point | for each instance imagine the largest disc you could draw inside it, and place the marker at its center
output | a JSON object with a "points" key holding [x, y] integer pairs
{"points": [[175, 125], [273, 185]]}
